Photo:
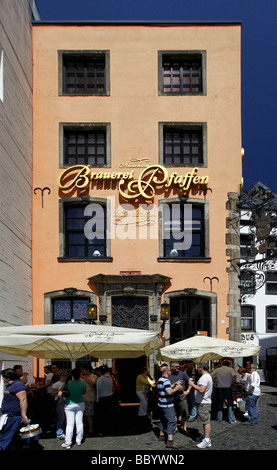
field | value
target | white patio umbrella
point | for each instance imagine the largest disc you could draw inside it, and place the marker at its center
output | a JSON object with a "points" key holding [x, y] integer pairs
{"points": [[74, 341], [204, 348]]}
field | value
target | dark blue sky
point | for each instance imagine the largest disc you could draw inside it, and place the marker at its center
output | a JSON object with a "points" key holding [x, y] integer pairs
{"points": [[259, 64]]}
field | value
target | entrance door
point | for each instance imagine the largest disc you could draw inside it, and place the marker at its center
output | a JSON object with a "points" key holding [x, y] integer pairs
{"points": [[129, 312], [127, 371], [188, 315]]}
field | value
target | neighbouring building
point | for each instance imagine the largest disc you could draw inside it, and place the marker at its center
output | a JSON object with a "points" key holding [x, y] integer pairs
{"points": [[258, 275], [16, 116], [137, 168]]}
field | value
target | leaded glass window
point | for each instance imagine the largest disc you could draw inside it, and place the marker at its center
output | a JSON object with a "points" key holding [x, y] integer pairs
{"points": [[130, 312], [70, 309]]}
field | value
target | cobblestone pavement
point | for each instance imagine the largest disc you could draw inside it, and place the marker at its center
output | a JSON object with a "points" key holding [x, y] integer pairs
{"points": [[225, 436]]}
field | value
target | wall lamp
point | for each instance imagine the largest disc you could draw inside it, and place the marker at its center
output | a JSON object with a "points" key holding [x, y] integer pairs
{"points": [[92, 312], [165, 313]]}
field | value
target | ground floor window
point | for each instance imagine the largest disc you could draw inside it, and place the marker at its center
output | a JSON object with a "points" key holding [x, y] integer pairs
{"points": [[70, 309]]}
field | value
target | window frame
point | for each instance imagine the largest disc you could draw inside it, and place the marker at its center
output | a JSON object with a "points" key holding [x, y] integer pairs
{"points": [[270, 282], [184, 54], [185, 126], [252, 317], [268, 308], [70, 299], [83, 200], [204, 204], [82, 54], [49, 297], [84, 127]]}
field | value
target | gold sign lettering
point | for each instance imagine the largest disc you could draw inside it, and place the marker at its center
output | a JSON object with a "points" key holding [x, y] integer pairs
{"points": [[151, 178]]}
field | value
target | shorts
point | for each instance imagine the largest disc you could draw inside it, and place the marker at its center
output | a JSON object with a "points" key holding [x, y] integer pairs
{"points": [[181, 407], [89, 408], [204, 412]]}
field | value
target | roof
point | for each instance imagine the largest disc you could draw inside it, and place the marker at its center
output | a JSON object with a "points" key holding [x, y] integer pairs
{"points": [[135, 23]]}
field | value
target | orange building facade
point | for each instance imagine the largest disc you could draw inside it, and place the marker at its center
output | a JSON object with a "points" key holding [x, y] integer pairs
{"points": [[136, 166]]}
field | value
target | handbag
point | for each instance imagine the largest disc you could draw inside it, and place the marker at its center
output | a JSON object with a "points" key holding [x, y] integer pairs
{"points": [[65, 392]]}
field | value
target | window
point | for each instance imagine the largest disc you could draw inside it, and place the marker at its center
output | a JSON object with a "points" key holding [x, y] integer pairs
{"points": [[181, 72], [83, 226], [84, 72], [271, 319], [182, 146], [130, 312], [85, 147], [247, 318], [183, 231], [271, 283], [85, 144], [247, 246], [247, 282], [85, 231], [68, 309]]}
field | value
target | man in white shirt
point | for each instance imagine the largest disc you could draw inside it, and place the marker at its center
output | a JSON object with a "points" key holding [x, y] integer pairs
{"points": [[203, 400], [253, 392], [224, 377]]}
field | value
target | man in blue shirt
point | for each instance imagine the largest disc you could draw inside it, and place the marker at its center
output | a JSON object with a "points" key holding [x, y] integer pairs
{"points": [[180, 399], [14, 407], [166, 406]]}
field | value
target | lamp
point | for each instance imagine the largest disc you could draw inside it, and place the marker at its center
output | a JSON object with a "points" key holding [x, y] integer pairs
{"points": [[165, 310], [92, 311]]}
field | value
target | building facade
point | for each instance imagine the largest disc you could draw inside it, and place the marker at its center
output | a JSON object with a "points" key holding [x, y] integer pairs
{"points": [[16, 165], [137, 167]]}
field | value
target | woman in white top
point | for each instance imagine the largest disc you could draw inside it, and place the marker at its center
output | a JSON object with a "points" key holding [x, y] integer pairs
{"points": [[253, 392]]}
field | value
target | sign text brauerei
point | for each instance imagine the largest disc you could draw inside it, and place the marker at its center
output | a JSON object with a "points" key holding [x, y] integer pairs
{"points": [[149, 180]]}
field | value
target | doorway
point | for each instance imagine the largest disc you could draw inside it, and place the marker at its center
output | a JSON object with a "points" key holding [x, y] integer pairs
{"points": [[129, 312], [127, 371], [188, 315]]}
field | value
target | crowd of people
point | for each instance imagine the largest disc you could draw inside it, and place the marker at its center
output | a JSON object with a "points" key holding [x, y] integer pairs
{"points": [[187, 393], [71, 402], [86, 402]]}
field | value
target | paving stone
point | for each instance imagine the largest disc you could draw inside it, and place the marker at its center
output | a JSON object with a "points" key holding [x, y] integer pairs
{"points": [[224, 436]]}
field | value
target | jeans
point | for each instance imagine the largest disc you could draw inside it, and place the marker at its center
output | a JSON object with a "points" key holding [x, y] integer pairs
{"points": [[9, 430], [192, 405], [74, 415], [60, 427], [167, 419], [251, 405], [222, 394], [142, 396]]}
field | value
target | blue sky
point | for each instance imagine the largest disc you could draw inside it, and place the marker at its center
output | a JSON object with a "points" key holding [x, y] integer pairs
{"points": [[259, 64]]}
